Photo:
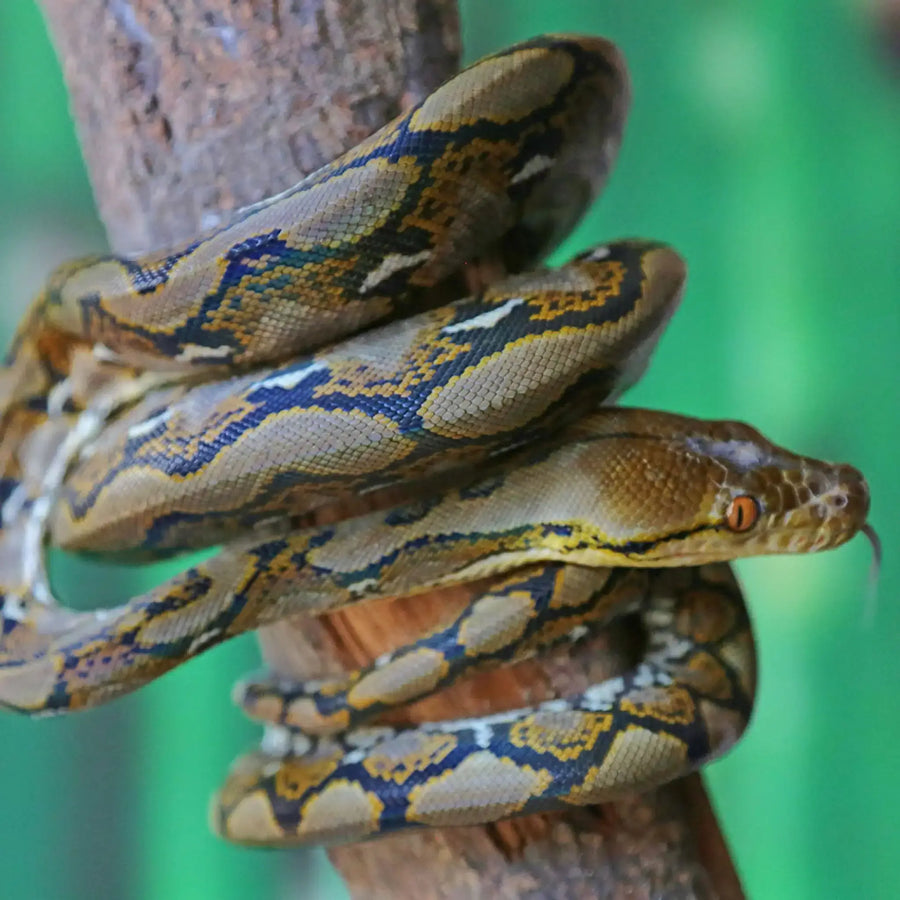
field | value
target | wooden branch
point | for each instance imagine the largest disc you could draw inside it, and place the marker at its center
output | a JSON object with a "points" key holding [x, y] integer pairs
{"points": [[188, 109]]}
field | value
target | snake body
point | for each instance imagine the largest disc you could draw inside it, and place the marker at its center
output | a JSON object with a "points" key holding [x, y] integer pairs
{"points": [[404, 398], [507, 155], [222, 391]]}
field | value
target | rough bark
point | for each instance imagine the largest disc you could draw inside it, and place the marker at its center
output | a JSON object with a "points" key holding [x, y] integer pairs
{"points": [[188, 110]]}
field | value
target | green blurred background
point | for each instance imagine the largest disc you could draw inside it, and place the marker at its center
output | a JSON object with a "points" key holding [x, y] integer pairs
{"points": [[764, 143]]}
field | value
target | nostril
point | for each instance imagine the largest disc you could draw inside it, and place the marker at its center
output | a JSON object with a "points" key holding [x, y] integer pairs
{"points": [[815, 484], [839, 501]]}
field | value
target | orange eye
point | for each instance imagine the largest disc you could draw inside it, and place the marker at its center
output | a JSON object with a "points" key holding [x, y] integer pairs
{"points": [[742, 513]]}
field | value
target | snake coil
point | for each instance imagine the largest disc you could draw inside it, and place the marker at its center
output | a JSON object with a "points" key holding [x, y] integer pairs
{"points": [[302, 354]]}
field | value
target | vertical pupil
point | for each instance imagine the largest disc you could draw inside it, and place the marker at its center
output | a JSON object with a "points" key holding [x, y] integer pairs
{"points": [[739, 515]]}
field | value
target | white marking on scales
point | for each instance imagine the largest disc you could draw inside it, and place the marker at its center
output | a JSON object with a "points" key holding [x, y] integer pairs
{"points": [[290, 379], [361, 587], [486, 319], [743, 454], [601, 696], [534, 166], [145, 427], [482, 728], [393, 262], [14, 505], [203, 639], [192, 352], [599, 253], [57, 397], [102, 353], [578, 632], [276, 741], [12, 608]]}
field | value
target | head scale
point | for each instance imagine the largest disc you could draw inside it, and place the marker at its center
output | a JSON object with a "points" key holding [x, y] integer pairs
{"points": [[700, 491]]}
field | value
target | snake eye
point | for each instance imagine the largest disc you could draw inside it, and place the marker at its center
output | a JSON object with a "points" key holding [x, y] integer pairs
{"points": [[742, 513]]}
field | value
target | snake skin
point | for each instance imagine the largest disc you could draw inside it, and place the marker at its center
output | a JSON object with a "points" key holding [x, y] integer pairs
{"points": [[405, 398], [222, 391]]}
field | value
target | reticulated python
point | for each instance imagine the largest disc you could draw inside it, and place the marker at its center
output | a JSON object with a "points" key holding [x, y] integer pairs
{"points": [[221, 391]]}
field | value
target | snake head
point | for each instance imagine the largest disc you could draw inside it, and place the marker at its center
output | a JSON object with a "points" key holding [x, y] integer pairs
{"points": [[771, 500], [702, 491]]}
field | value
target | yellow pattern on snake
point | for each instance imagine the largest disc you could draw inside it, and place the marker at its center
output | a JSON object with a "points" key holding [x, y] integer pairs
{"points": [[219, 392]]}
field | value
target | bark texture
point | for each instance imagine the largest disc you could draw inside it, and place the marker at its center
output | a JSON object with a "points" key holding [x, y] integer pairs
{"points": [[189, 109]]}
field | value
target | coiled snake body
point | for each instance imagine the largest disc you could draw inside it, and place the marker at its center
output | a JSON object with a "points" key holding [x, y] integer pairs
{"points": [[222, 391]]}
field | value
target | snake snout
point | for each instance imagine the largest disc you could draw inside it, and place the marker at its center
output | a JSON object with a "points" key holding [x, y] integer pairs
{"points": [[839, 505]]}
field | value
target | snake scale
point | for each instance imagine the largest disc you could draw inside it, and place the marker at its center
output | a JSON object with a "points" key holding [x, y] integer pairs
{"points": [[304, 353]]}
